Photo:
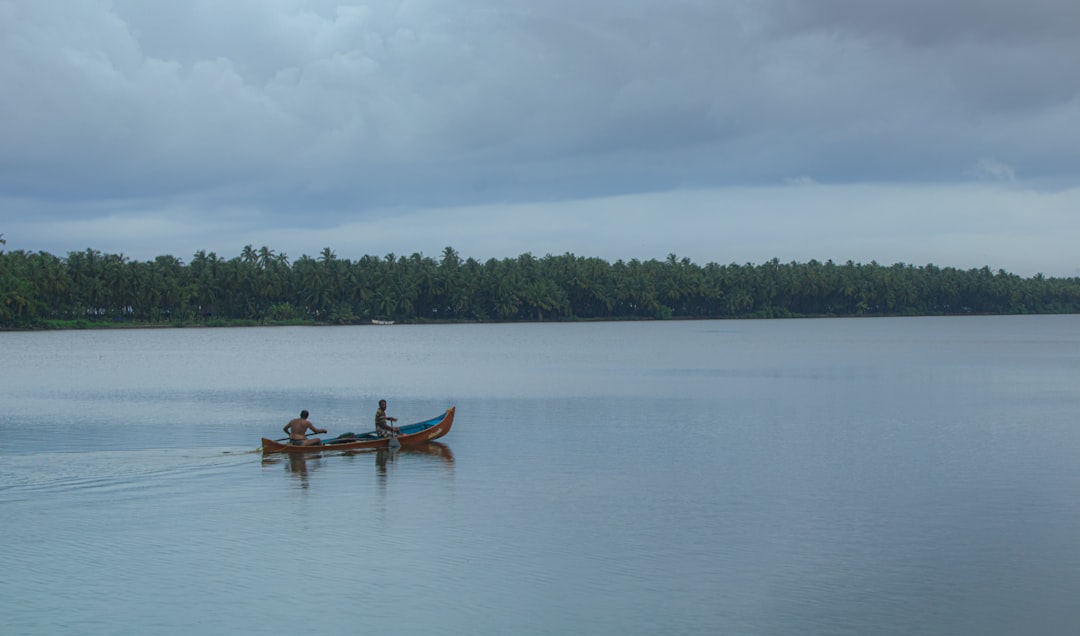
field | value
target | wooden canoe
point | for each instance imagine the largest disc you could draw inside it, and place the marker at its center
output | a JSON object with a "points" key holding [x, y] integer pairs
{"points": [[410, 435]]}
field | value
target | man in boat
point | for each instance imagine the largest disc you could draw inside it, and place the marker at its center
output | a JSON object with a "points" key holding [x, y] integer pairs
{"points": [[381, 419], [297, 429]]}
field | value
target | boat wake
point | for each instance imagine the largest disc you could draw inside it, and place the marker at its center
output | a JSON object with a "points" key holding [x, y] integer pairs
{"points": [[111, 472]]}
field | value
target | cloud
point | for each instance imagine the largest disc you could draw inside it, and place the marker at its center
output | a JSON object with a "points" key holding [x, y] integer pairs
{"points": [[932, 22], [992, 170], [312, 116], [313, 94], [968, 226]]}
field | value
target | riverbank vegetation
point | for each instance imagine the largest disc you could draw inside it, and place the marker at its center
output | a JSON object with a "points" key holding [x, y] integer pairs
{"points": [[260, 286]]}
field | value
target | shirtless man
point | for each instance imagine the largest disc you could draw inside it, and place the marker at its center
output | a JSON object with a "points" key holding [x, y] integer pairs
{"points": [[381, 419], [297, 429]]}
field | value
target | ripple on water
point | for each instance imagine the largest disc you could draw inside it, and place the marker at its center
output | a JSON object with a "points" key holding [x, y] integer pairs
{"points": [[108, 473]]}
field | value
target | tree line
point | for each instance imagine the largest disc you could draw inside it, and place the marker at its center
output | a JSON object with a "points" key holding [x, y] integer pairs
{"points": [[261, 286]]}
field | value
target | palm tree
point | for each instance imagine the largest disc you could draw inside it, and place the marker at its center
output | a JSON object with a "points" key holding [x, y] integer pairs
{"points": [[311, 281], [266, 257], [116, 285], [50, 281], [16, 300], [86, 283], [385, 301], [450, 286], [545, 296], [422, 277]]}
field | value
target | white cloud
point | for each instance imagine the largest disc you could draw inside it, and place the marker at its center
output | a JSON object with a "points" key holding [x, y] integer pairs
{"points": [[992, 170]]}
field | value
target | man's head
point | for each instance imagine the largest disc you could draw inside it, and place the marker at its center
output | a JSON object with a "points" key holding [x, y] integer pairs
{"points": [[382, 404], [303, 414]]}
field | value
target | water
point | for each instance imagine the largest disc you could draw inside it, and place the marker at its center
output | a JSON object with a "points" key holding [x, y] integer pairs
{"points": [[885, 476]]}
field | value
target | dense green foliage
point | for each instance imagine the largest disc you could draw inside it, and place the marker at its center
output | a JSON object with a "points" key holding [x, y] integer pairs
{"points": [[261, 286]]}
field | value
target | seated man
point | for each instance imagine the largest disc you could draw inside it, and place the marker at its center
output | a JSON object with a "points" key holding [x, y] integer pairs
{"points": [[381, 419], [297, 429]]}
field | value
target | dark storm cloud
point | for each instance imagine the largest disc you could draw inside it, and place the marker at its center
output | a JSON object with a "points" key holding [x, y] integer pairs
{"points": [[309, 114]]}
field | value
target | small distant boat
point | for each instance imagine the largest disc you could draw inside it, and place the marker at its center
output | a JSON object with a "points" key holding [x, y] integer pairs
{"points": [[376, 321], [410, 435]]}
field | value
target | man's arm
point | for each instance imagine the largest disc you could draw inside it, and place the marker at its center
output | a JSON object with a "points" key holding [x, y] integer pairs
{"points": [[317, 431]]}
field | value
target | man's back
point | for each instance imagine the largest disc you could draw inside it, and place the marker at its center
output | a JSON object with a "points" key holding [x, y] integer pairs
{"points": [[298, 428]]}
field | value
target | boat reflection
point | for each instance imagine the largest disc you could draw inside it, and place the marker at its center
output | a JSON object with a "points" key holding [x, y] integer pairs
{"points": [[301, 465], [298, 465], [435, 450], [431, 449]]}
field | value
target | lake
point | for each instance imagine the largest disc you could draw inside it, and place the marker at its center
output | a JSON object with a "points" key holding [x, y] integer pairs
{"points": [[829, 476]]}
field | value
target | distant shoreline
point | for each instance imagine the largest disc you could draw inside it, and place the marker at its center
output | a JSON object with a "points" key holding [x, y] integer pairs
{"points": [[91, 290], [81, 325]]}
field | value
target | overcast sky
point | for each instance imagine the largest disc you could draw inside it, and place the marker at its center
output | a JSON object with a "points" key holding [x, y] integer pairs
{"points": [[923, 131]]}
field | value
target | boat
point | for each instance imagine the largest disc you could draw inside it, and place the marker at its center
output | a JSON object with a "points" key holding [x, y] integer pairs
{"points": [[411, 435]]}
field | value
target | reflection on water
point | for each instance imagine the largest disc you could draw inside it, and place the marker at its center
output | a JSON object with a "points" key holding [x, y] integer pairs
{"points": [[301, 465], [297, 465], [437, 450], [383, 458]]}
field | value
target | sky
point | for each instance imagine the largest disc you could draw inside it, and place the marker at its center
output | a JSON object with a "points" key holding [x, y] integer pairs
{"points": [[726, 131]]}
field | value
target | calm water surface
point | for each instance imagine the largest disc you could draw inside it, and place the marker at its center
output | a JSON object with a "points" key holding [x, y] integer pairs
{"points": [[879, 476]]}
